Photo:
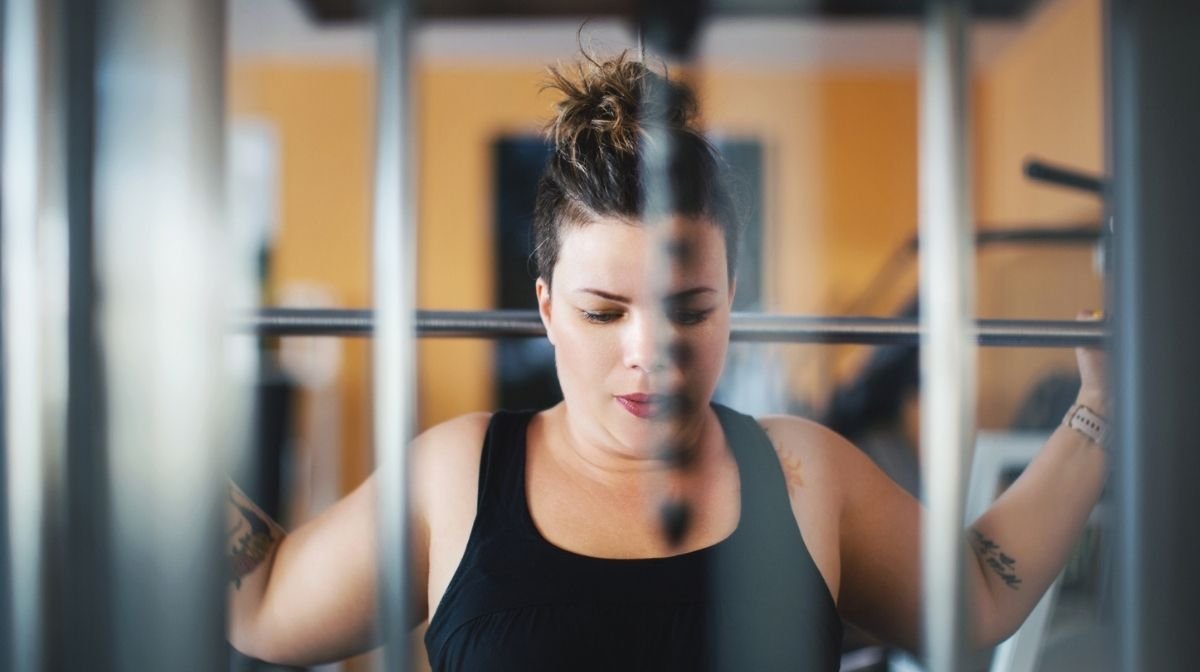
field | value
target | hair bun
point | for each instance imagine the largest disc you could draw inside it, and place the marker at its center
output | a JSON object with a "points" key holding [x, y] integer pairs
{"points": [[600, 141], [603, 104]]}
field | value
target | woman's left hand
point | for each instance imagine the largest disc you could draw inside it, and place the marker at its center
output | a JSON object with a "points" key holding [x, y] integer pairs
{"points": [[1093, 372]]}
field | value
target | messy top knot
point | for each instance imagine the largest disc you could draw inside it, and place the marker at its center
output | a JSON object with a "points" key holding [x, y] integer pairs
{"points": [[606, 105], [598, 133]]}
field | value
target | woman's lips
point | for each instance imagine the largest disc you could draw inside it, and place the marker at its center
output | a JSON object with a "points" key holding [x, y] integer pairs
{"points": [[642, 405]]}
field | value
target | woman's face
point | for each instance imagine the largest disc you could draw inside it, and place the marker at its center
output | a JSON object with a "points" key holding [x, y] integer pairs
{"points": [[617, 374]]}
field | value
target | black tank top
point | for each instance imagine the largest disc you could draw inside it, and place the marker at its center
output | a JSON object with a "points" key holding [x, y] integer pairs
{"points": [[754, 601]]}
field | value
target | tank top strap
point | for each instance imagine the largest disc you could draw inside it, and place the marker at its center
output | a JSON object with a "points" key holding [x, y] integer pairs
{"points": [[767, 581], [764, 488], [501, 497]]}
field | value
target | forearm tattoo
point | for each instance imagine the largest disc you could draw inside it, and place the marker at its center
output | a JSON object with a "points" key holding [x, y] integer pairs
{"points": [[991, 556], [252, 538]]}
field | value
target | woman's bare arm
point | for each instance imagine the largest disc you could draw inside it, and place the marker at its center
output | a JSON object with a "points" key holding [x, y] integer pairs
{"points": [[1022, 541], [1015, 549], [252, 539], [878, 566], [309, 596]]}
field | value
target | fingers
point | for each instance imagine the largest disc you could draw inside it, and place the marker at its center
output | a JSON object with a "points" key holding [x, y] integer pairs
{"points": [[1089, 315], [1093, 367]]}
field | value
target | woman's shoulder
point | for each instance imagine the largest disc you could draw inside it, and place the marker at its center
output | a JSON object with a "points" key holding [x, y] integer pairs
{"points": [[794, 433], [467, 424], [454, 438], [808, 448], [445, 459], [812, 457], [461, 438]]}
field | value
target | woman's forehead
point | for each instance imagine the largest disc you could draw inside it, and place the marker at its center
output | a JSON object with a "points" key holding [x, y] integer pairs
{"points": [[617, 252]]}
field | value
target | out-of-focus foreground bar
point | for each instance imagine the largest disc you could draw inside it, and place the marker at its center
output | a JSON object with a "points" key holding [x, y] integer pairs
{"points": [[1154, 103], [745, 327]]}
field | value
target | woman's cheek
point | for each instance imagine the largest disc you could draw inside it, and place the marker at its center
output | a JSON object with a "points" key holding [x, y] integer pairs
{"points": [[705, 367], [579, 351]]}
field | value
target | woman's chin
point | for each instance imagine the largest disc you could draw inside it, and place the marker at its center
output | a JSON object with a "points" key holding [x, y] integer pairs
{"points": [[643, 437]]}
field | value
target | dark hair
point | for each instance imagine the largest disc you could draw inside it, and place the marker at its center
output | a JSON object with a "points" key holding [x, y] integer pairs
{"points": [[595, 170]]}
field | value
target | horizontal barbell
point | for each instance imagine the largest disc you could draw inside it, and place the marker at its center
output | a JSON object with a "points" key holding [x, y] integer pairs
{"points": [[746, 327]]}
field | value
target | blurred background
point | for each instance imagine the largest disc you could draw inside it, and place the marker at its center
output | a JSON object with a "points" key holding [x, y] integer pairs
{"points": [[816, 113]]}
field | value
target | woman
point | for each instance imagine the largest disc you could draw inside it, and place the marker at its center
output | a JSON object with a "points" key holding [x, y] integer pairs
{"points": [[538, 542]]}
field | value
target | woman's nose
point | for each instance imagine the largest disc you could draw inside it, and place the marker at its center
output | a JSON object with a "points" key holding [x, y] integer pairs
{"points": [[646, 345]]}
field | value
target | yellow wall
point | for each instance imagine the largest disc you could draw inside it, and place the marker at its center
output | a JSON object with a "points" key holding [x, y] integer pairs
{"points": [[841, 155], [840, 149], [826, 135], [462, 111], [840, 192], [322, 119], [1044, 98]]}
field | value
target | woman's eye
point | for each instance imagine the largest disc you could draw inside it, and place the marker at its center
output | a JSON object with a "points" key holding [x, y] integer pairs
{"points": [[689, 317], [599, 317]]}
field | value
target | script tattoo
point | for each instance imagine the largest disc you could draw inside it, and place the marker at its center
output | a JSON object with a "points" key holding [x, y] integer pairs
{"points": [[254, 544], [990, 555]]}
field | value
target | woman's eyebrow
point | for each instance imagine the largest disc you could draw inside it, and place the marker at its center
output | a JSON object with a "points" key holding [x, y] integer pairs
{"points": [[604, 295], [677, 296], [688, 293]]}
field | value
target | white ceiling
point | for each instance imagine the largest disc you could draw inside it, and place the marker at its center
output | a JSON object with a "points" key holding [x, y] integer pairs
{"points": [[279, 30]]}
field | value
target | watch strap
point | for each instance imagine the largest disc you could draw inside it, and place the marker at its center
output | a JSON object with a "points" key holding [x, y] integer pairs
{"points": [[1087, 422]]}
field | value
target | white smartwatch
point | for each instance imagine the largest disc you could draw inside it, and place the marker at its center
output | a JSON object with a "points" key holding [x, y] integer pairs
{"points": [[1087, 422]]}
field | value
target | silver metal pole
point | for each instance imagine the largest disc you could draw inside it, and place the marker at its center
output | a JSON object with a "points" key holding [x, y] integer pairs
{"points": [[395, 300], [755, 327], [24, 63], [80, 604], [159, 208], [659, 198], [1154, 141], [947, 308]]}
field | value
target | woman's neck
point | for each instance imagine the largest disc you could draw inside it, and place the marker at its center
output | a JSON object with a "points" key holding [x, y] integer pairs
{"points": [[595, 455]]}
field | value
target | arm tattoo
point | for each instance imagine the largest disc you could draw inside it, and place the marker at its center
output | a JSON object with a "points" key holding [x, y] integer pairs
{"points": [[990, 555], [256, 541]]}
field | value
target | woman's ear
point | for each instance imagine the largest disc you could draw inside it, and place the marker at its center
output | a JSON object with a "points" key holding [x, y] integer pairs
{"points": [[542, 289], [732, 291]]}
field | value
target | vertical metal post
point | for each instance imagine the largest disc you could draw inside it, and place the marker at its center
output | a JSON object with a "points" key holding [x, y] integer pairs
{"points": [[1155, 105], [659, 198], [671, 29], [947, 310], [7, 639], [159, 206], [395, 277], [80, 604], [24, 71]]}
